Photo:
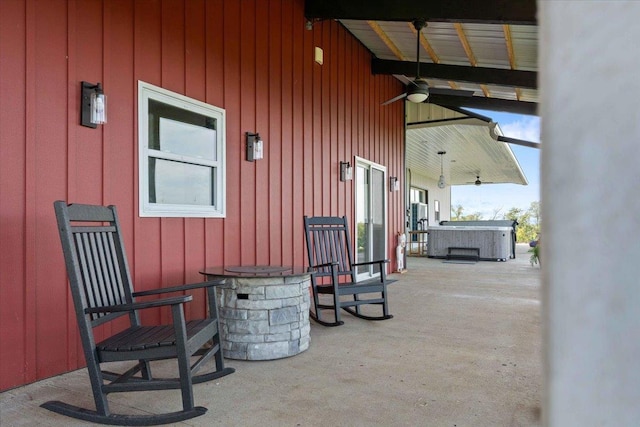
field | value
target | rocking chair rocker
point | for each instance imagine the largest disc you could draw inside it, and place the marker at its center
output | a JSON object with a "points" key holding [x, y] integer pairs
{"points": [[102, 291]]}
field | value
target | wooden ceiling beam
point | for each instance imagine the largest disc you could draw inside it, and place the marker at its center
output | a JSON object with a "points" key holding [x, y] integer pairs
{"points": [[509, 43], [470, 55], [465, 44], [386, 40], [522, 12], [481, 75], [512, 56]]}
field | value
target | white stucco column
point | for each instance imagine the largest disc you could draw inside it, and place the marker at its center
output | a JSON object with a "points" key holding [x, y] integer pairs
{"points": [[590, 109]]}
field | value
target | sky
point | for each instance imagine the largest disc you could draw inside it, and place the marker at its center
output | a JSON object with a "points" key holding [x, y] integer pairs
{"points": [[487, 198]]}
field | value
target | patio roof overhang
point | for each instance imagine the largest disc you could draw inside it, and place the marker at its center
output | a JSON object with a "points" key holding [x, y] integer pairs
{"points": [[472, 144], [488, 47]]}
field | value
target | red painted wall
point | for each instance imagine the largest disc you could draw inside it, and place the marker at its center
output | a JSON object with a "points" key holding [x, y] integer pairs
{"points": [[253, 58]]}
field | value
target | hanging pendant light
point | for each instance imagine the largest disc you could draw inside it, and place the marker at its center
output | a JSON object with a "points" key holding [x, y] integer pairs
{"points": [[441, 183]]}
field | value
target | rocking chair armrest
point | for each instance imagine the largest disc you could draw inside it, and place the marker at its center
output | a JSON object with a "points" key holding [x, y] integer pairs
{"points": [[328, 264], [380, 261], [139, 305], [180, 288]]}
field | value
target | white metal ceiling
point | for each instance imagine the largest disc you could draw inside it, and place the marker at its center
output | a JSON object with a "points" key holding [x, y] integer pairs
{"points": [[470, 152], [488, 44]]}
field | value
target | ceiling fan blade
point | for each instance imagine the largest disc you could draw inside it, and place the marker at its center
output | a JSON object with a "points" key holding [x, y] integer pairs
{"points": [[450, 92], [397, 98]]}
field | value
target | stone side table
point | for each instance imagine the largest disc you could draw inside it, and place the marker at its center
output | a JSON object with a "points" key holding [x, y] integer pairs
{"points": [[264, 310]]}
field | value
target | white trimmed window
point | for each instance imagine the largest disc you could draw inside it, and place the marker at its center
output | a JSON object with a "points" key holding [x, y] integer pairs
{"points": [[182, 155]]}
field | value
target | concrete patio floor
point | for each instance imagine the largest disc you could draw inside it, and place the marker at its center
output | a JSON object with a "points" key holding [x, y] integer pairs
{"points": [[463, 349]]}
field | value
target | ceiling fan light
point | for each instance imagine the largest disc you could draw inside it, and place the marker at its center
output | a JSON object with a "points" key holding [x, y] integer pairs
{"points": [[417, 97], [441, 183]]}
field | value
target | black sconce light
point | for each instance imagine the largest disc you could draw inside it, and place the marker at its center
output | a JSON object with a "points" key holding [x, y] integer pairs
{"points": [[346, 171], [93, 102], [254, 147], [394, 184]]}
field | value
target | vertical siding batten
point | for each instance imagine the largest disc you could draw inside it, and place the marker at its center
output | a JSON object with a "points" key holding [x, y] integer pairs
{"points": [[73, 342], [16, 365], [262, 91], [194, 228], [297, 172], [30, 294], [286, 162], [173, 78], [50, 150], [308, 67], [275, 131], [232, 89], [248, 96], [148, 68], [325, 113], [316, 138], [214, 94], [121, 88]]}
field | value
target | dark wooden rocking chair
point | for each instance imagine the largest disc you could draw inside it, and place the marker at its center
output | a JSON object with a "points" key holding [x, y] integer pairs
{"points": [[102, 291], [330, 258]]}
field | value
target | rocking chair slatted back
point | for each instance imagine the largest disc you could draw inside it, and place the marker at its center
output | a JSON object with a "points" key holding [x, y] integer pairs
{"points": [[97, 261], [327, 242]]}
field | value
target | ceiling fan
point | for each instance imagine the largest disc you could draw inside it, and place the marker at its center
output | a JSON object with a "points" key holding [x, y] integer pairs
{"points": [[418, 89], [478, 182]]}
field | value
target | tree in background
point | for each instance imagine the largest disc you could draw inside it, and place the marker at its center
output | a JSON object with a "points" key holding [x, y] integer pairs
{"points": [[456, 214], [496, 213], [528, 221], [534, 209]]}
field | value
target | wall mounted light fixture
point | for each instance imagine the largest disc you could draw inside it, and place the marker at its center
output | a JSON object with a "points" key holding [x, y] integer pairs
{"points": [[255, 148], [346, 171], [93, 105], [394, 184]]}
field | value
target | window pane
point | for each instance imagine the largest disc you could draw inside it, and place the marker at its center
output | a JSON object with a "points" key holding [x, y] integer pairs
{"points": [[180, 183], [180, 134], [187, 139]]}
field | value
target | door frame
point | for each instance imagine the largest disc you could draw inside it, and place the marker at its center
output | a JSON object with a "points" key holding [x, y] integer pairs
{"points": [[359, 161]]}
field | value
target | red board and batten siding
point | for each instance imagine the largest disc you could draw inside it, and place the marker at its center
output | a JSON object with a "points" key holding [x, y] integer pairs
{"points": [[252, 58]]}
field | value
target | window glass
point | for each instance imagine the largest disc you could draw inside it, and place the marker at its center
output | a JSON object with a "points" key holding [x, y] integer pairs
{"points": [[180, 183], [186, 139]]}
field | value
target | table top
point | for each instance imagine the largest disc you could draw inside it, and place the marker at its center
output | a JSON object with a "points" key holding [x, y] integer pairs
{"points": [[255, 271]]}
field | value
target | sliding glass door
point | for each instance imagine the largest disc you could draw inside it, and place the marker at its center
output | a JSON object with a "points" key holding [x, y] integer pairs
{"points": [[371, 212]]}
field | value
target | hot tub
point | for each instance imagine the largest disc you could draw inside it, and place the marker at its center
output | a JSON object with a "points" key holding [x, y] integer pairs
{"points": [[489, 243]]}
